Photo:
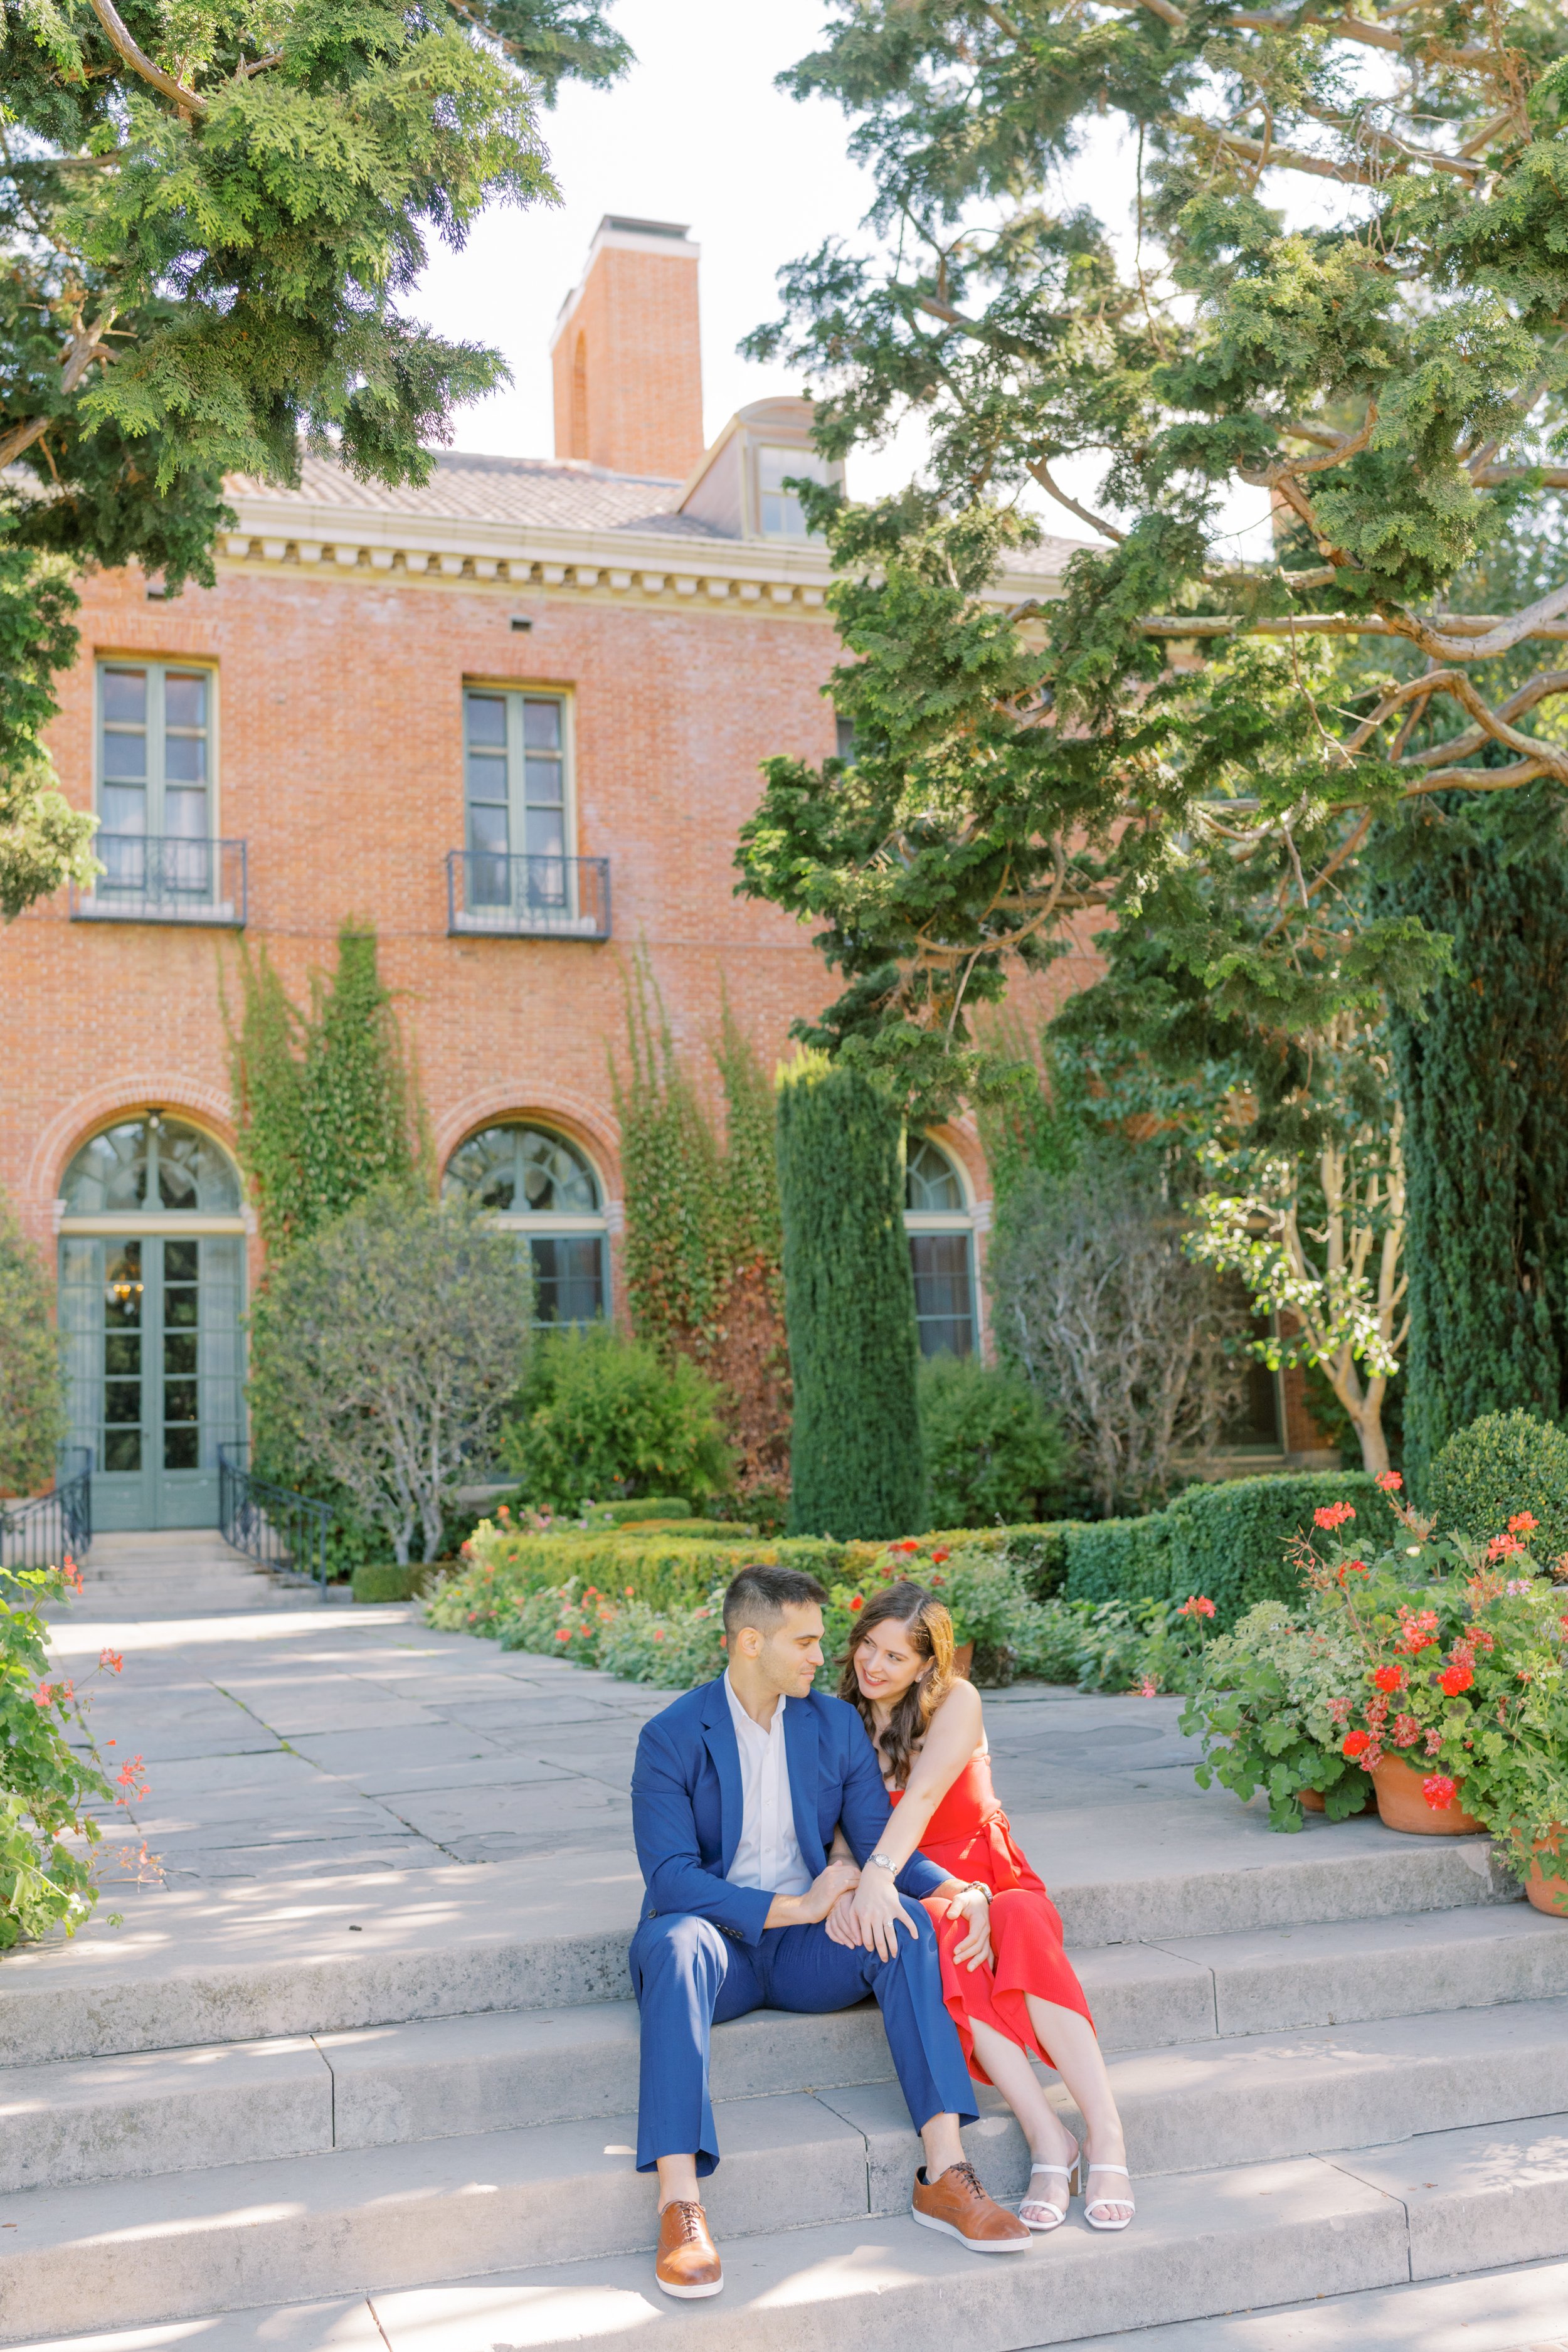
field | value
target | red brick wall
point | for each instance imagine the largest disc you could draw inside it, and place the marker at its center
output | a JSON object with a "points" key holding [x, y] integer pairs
{"points": [[340, 764], [636, 323]]}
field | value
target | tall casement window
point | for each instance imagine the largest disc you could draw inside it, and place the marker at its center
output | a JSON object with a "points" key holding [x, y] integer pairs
{"points": [[519, 793], [939, 1223], [155, 774], [152, 1285], [539, 1186]]}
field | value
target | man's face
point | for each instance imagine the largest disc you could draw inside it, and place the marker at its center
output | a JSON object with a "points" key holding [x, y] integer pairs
{"points": [[791, 1655]]}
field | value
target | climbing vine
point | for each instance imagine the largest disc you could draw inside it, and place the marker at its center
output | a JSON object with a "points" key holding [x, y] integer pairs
{"points": [[327, 1106]]}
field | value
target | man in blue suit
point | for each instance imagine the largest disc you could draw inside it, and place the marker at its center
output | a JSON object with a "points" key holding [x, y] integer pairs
{"points": [[738, 1790]]}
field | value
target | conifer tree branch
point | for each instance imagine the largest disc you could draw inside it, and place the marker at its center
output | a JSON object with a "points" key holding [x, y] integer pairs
{"points": [[119, 37]]}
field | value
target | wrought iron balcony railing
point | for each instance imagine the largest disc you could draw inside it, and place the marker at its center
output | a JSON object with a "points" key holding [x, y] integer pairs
{"points": [[528, 898], [150, 878]]}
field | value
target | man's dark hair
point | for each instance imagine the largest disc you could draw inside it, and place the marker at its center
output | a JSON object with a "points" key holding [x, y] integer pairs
{"points": [[759, 1597]]}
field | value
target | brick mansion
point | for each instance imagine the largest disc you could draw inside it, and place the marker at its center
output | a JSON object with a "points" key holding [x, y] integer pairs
{"points": [[514, 720]]}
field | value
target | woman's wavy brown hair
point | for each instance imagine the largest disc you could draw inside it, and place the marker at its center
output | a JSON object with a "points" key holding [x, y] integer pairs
{"points": [[930, 1629]]}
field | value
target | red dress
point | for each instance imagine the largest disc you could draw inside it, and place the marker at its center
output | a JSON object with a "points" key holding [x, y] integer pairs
{"points": [[969, 1838]]}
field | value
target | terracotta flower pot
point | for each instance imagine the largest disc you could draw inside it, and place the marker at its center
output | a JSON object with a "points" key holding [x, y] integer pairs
{"points": [[1549, 1895], [962, 1659], [1312, 1801], [1402, 1802]]}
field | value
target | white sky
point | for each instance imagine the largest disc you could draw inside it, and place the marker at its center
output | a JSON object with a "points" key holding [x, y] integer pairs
{"points": [[696, 133]]}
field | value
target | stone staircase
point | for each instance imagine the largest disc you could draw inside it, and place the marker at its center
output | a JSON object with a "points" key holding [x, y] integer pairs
{"points": [[177, 1572], [1313, 2110]]}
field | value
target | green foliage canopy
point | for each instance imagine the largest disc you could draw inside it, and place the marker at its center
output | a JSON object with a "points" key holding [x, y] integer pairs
{"points": [[210, 213], [32, 1386], [600, 1413], [1342, 284], [993, 1456]]}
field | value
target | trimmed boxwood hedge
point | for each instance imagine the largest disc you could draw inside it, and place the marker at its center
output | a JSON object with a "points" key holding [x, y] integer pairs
{"points": [[1227, 1541], [385, 1580]]}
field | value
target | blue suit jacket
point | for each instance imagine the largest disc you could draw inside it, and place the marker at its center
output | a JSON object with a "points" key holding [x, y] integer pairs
{"points": [[686, 1804]]}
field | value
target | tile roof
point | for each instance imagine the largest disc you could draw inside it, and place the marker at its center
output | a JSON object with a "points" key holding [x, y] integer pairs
{"points": [[552, 493]]}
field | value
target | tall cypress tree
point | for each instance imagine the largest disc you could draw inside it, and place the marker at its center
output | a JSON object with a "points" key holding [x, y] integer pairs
{"points": [[1483, 1073], [850, 1306]]}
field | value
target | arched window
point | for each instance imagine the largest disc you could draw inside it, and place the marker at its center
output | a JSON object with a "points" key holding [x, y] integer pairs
{"points": [[534, 1183], [940, 1226], [152, 1285]]}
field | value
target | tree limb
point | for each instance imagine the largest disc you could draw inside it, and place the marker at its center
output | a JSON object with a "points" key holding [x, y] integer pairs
{"points": [[119, 37], [85, 346], [1042, 473]]}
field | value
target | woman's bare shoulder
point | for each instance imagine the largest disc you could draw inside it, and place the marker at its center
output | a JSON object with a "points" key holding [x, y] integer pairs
{"points": [[960, 1710]]}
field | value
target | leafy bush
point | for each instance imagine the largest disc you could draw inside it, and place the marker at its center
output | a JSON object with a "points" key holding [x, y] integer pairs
{"points": [[32, 1390], [1503, 1463], [1050, 1642], [1268, 1707], [672, 1651], [598, 1412], [1231, 1540], [1121, 1560], [384, 1581], [629, 1514], [1228, 1541], [502, 1562], [992, 1453], [50, 1770]]}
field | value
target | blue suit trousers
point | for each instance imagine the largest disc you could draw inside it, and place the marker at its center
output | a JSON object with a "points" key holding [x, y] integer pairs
{"points": [[687, 1976]]}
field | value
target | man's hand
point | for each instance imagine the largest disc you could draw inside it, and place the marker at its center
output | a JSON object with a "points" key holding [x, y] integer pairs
{"points": [[876, 1912], [973, 1904], [838, 1878], [841, 1926]]}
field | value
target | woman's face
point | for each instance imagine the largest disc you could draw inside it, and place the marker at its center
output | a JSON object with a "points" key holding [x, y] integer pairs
{"points": [[886, 1662]]}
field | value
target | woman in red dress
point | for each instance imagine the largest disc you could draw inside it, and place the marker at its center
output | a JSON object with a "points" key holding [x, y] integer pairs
{"points": [[1012, 1994]]}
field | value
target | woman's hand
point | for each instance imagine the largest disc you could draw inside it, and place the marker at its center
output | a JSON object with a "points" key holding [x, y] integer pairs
{"points": [[973, 1904]]}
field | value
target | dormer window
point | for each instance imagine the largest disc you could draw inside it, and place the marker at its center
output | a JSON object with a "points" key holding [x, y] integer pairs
{"points": [[779, 510]]}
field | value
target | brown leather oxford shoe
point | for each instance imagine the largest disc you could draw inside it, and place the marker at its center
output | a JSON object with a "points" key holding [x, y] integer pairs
{"points": [[687, 2263], [956, 2204]]}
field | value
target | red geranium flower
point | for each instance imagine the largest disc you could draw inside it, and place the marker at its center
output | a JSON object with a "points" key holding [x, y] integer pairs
{"points": [[938, 1557], [564, 1634], [1503, 1547], [1353, 1567], [1439, 1790], [1355, 1743], [1390, 1481], [1197, 1604], [1332, 1515], [1406, 1731], [1524, 1523], [1389, 1679], [1457, 1679], [858, 1601]]}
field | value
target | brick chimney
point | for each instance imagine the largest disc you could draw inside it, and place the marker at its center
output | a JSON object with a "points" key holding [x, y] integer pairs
{"points": [[628, 369]]}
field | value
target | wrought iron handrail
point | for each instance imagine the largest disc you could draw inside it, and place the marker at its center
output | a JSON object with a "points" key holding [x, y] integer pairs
{"points": [[280, 1530], [46, 1529], [155, 878], [528, 898]]}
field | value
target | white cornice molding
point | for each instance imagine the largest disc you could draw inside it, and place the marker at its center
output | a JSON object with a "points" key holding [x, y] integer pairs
{"points": [[615, 566]]}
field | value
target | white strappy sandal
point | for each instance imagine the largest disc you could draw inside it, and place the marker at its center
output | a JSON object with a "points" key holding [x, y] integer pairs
{"points": [[1092, 2204], [1059, 2214]]}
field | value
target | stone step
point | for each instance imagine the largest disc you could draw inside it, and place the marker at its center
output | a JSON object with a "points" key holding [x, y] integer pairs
{"points": [[204, 1965], [495, 2070], [1521, 2309], [332, 2222], [427, 2250]]}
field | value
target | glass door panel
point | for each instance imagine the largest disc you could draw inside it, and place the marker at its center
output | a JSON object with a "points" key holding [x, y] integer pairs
{"points": [[152, 1341]]}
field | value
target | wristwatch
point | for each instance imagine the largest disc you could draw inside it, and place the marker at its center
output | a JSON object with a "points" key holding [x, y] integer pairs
{"points": [[882, 1860]]}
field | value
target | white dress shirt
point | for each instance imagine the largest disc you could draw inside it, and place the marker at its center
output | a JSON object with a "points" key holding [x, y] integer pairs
{"points": [[768, 1855]]}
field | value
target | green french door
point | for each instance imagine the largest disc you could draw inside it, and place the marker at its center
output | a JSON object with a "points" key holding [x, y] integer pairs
{"points": [[152, 1336]]}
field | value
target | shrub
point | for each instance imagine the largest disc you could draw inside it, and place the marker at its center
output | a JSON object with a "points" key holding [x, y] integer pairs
{"points": [[1503, 1463], [51, 1783], [382, 1581], [1121, 1560], [384, 1350], [1051, 1642], [32, 1390], [650, 1506], [502, 1563], [1270, 1705], [1230, 1540], [672, 1651], [849, 1305], [598, 1412], [992, 1453], [1122, 1333]]}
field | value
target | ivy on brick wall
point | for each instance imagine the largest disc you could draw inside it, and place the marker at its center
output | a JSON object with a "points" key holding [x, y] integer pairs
{"points": [[327, 1107], [703, 1243]]}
